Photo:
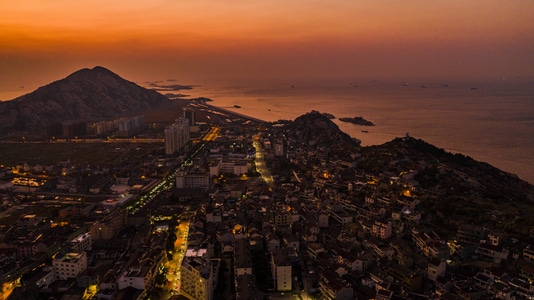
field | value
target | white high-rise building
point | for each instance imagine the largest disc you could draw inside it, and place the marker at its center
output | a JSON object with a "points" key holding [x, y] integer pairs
{"points": [[176, 136]]}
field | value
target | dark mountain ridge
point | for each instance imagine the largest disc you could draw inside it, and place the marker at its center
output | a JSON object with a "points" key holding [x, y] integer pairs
{"points": [[453, 190], [446, 174], [85, 95], [320, 132], [439, 170]]}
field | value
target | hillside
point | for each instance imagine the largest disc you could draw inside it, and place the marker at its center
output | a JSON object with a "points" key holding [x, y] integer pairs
{"points": [[320, 132], [85, 95], [438, 169], [452, 188], [443, 174]]}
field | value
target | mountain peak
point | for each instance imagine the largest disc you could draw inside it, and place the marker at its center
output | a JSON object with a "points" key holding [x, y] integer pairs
{"points": [[321, 132], [95, 71], [86, 95]]}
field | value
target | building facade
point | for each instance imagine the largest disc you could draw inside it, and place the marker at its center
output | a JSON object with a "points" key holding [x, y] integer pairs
{"points": [[176, 136], [197, 278], [70, 265]]}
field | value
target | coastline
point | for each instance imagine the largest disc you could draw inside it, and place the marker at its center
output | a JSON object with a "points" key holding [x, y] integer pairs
{"points": [[230, 112], [477, 123]]}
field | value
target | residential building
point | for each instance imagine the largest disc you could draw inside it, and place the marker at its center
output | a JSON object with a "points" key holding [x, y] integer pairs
{"points": [[281, 271], [189, 115], [193, 180], [82, 242], [436, 268], [109, 226], [176, 136], [197, 278], [242, 257], [381, 230], [70, 265], [332, 287], [139, 277]]}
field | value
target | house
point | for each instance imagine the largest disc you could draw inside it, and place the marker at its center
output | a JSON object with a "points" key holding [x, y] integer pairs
{"points": [[281, 270], [290, 240], [431, 244], [436, 268], [272, 242], [314, 248], [242, 258], [528, 253], [70, 265], [490, 251], [333, 287], [109, 226], [381, 230], [358, 261], [383, 294], [468, 290], [409, 279], [500, 290], [482, 280]]}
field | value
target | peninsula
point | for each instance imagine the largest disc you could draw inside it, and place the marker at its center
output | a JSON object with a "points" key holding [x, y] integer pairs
{"points": [[241, 200]]}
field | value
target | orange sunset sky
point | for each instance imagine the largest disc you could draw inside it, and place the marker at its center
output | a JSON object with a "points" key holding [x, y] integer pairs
{"points": [[205, 41]]}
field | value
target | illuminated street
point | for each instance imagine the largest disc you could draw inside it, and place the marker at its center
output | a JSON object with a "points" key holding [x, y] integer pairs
{"points": [[180, 245], [212, 134], [261, 166], [7, 288]]}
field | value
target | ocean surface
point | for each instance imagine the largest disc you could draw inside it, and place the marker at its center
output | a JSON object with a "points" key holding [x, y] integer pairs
{"points": [[491, 122]]}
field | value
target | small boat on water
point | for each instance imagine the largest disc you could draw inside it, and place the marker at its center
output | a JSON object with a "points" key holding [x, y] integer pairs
{"points": [[365, 131], [237, 106]]}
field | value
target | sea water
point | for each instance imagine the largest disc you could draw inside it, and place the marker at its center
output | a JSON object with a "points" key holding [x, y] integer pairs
{"points": [[489, 121]]}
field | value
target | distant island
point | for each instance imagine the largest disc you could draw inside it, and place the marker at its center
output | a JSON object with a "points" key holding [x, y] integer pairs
{"points": [[172, 95], [358, 121], [174, 87], [330, 116]]}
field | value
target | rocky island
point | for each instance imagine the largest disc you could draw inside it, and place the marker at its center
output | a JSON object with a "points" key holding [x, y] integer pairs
{"points": [[358, 121]]}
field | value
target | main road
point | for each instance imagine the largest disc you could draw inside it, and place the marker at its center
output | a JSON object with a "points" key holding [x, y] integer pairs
{"points": [[167, 183], [261, 166]]}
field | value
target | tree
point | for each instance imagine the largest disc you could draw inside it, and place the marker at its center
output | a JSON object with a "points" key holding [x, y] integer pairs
{"points": [[161, 278]]}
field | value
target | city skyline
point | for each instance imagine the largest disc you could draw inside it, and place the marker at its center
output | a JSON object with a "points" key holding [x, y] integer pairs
{"points": [[207, 41]]}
